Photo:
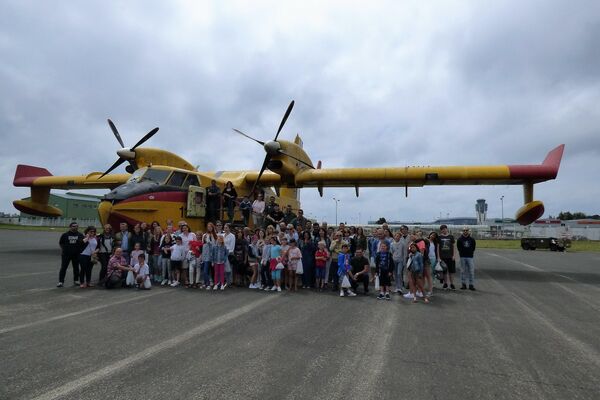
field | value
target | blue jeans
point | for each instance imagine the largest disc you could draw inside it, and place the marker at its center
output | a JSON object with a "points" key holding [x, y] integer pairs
{"points": [[206, 272], [399, 272], [467, 270]]}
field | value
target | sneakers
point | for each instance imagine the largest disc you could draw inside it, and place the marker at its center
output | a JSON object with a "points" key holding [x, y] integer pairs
{"points": [[169, 282], [175, 284], [351, 293], [216, 287], [397, 290], [408, 296], [419, 294], [279, 288], [452, 286], [463, 287], [274, 288], [471, 287], [387, 296], [223, 286], [445, 287], [341, 293], [381, 296], [59, 284], [428, 294], [164, 282]]}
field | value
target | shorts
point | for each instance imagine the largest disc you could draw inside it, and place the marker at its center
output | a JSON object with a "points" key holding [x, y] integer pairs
{"points": [[384, 278], [276, 274], [319, 273], [451, 265], [177, 264]]}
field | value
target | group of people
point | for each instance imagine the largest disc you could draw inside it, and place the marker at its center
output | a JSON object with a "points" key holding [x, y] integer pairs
{"points": [[289, 252]]}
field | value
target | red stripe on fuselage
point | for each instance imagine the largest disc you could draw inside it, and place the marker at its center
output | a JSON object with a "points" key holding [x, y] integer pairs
{"points": [[177, 197]]}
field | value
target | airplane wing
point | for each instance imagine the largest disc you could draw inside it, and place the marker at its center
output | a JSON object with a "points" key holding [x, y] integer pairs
{"points": [[415, 176], [40, 180]]}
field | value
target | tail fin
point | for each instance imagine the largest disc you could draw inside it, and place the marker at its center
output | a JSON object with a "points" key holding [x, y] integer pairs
{"points": [[26, 174]]}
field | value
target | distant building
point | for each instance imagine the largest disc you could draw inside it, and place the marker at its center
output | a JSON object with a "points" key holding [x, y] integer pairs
{"points": [[73, 205]]}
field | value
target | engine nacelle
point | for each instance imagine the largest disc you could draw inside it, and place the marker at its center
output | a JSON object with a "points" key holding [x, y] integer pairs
{"points": [[530, 212]]}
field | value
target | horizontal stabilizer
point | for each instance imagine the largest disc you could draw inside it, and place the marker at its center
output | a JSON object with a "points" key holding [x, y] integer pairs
{"points": [[26, 174]]}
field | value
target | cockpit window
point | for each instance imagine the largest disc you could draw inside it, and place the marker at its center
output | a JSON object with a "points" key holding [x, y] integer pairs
{"points": [[191, 180], [155, 175], [136, 175], [176, 179]]}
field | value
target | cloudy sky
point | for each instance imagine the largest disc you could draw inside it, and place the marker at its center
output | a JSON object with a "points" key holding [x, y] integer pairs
{"points": [[388, 84]]}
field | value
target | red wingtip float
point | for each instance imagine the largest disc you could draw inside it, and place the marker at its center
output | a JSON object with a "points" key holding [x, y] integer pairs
{"points": [[158, 177]]}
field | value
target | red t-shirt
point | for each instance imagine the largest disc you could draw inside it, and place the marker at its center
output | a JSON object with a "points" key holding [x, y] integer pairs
{"points": [[321, 263], [196, 247]]}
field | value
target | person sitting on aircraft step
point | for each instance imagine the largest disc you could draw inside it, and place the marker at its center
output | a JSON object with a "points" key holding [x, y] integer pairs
{"points": [[288, 215], [229, 197], [275, 217], [270, 206], [71, 243], [300, 220], [213, 201]]}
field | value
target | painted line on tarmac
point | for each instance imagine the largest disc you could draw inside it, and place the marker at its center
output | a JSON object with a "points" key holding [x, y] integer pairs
{"points": [[143, 355], [76, 313], [25, 274], [576, 294]]}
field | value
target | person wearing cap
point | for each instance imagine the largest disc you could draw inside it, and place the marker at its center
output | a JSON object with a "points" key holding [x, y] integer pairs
{"points": [[71, 244], [178, 254], [466, 249]]}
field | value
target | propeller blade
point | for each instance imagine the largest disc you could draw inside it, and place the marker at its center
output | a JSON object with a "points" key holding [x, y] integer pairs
{"points": [[142, 140], [297, 159], [115, 132], [285, 117], [262, 169], [115, 165], [249, 137]]}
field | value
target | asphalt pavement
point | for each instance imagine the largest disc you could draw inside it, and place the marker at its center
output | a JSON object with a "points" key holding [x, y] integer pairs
{"points": [[531, 330]]}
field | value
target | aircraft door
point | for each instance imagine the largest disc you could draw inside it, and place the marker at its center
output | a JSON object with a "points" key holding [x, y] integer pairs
{"points": [[196, 202]]}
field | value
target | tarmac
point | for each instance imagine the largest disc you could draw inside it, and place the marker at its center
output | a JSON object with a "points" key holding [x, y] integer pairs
{"points": [[531, 330]]}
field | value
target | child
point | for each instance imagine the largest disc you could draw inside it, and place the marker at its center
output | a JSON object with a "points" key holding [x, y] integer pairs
{"points": [[195, 266], [141, 270], [219, 257], [384, 265], [206, 260], [137, 250], [178, 254], [321, 257], [165, 256], [245, 208], [294, 256], [344, 270], [274, 261], [415, 265], [253, 263]]}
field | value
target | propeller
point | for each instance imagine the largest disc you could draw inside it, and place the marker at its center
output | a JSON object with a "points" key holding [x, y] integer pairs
{"points": [[273, 147], [126, 154]]}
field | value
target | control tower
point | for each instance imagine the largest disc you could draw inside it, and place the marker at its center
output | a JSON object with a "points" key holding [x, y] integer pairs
{"points": [[481, 208]]}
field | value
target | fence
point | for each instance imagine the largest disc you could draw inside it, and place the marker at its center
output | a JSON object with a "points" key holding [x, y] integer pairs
{"points": [[53, 222]]}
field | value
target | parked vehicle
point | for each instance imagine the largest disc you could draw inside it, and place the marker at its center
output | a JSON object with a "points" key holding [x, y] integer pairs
{"points": [[553, 244]]}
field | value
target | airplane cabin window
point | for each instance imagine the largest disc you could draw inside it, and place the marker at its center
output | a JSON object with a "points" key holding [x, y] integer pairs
{"points": [[155, 175], [191, 180], [176, 179]]}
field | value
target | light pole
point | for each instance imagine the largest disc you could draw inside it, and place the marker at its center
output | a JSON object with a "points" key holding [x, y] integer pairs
{"points": [[502, 222], [336, 206]]}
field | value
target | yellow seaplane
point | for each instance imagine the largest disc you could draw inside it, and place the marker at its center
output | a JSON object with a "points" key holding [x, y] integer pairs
{"points": [[160, 185]]}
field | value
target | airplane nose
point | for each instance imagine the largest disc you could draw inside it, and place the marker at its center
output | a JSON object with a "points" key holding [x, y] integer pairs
{"points": [[104, 210]]}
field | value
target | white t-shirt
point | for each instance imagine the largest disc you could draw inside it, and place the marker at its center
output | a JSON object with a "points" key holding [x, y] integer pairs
{"points": [[143, 270], [186, 239], [91, 246], [229, 241], [258, 206]]}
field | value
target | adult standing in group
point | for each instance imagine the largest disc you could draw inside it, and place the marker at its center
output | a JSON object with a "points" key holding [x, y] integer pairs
{"points": [[71, 243], [447, 255], [300, 220], [258, 209], [361, 240], [213, 201], [229, 242], [90, 244], [335, 248], [308, 249], [186, 237], [288, 215], [138, 236], [230, 197], [466, 250], [105, 250], [123, 240], [399, 250]]}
